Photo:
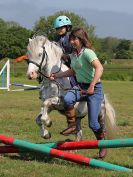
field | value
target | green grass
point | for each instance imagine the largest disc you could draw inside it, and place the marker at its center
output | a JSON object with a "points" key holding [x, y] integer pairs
{"points": [[118, 72], [17, 119]]}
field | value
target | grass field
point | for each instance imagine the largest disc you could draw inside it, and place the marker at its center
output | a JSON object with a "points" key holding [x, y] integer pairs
{"points": [[18, 112]]}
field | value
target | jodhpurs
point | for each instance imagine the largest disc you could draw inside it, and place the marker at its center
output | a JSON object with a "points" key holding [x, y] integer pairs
{"points": [[93, 103]]}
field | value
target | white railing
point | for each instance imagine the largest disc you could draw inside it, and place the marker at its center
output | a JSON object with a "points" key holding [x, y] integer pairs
{"points": [[5, 76]]}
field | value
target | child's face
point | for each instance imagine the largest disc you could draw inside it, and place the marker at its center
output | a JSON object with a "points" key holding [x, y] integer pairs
{"points": [[60, 31]]}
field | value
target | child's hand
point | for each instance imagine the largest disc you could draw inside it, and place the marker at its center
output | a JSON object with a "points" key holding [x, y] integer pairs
{"points": [[65, 57], [83, 92]]}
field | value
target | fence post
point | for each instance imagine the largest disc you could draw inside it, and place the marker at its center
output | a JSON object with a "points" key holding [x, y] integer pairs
{"points": [[5, 71]]}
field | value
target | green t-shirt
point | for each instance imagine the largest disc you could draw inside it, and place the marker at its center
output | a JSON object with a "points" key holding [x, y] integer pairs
{"points": [[82, 66]]}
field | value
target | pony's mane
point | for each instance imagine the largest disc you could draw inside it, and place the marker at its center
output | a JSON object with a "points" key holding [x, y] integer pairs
{"points": [[56, 47], [34, 42]]}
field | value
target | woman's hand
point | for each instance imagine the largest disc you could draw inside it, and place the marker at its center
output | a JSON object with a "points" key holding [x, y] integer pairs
{"points": [[90, 90], [52, 77]]}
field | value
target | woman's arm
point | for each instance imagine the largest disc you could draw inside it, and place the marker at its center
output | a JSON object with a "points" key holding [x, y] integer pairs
{"points": [[67, 73], [98, 73]]}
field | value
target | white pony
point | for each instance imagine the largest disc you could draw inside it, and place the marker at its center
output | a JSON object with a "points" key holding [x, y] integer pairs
{"points": [[44, 59]]}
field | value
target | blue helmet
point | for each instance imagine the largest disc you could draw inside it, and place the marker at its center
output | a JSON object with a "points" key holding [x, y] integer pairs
{"points": [[62, 21]]}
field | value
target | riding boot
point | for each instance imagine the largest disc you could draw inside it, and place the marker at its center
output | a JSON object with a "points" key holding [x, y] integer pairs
{"points": [[71, 121], [101, 136]]}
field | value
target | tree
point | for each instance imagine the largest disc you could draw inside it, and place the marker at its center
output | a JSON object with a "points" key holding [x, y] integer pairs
{"points": [[124, 50], [103, 57], [13, 39], [124, 54], [45, 24], [109, 45], [3, 25], [124, 45]]}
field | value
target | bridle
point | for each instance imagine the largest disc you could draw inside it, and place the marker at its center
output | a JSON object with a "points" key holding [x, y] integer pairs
{"points": [[45, 57]]}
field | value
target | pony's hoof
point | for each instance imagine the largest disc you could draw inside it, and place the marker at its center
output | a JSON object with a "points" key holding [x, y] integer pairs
{"points": [[47, 136], [38, 120], [49, 124]]}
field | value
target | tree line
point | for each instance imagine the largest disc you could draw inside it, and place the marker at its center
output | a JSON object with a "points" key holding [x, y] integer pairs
{"points": [[14, 38]]}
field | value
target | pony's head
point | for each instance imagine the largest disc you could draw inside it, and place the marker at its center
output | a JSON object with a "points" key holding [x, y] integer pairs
{"points": [[41, 53], [35, 55]]}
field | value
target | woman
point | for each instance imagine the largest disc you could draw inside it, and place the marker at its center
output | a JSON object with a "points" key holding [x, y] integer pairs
{"points": [[88, 71]]}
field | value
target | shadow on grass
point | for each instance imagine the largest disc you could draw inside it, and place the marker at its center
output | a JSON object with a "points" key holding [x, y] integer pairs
{"points": [[31, 156]]}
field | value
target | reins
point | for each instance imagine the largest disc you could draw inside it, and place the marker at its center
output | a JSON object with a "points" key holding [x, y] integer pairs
{"points": [[45, 56], [58, 83]]}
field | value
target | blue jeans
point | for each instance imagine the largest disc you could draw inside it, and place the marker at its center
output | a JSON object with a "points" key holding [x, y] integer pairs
{"points": [[93, 103]]}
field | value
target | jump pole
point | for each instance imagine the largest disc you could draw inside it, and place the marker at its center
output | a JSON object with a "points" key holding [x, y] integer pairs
{"points": [[91, 144], [94, 144], [61, 154], [26, 89], [29, 87], [23, 85], [12, 149]]}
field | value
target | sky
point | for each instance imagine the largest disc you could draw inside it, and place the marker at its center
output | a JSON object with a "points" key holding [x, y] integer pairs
{"points": [[110, 17]]}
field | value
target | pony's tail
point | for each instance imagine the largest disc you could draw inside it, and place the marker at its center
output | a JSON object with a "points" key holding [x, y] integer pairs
{"points": [[110, 121]]}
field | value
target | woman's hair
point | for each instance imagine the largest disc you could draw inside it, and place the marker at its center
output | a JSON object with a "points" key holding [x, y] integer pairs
{"points": [[82, 35]]}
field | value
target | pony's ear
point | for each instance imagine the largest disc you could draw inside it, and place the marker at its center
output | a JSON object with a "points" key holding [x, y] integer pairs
{"points": [[30, 39], [42, 38]]}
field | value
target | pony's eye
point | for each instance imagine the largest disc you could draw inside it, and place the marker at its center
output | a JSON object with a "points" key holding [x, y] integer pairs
{"points": [[40, 54]]}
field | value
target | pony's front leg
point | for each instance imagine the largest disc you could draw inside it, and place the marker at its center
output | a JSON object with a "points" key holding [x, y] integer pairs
{"points": [[43, 117], [47, 107], [42, 120], [44, 132]]}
